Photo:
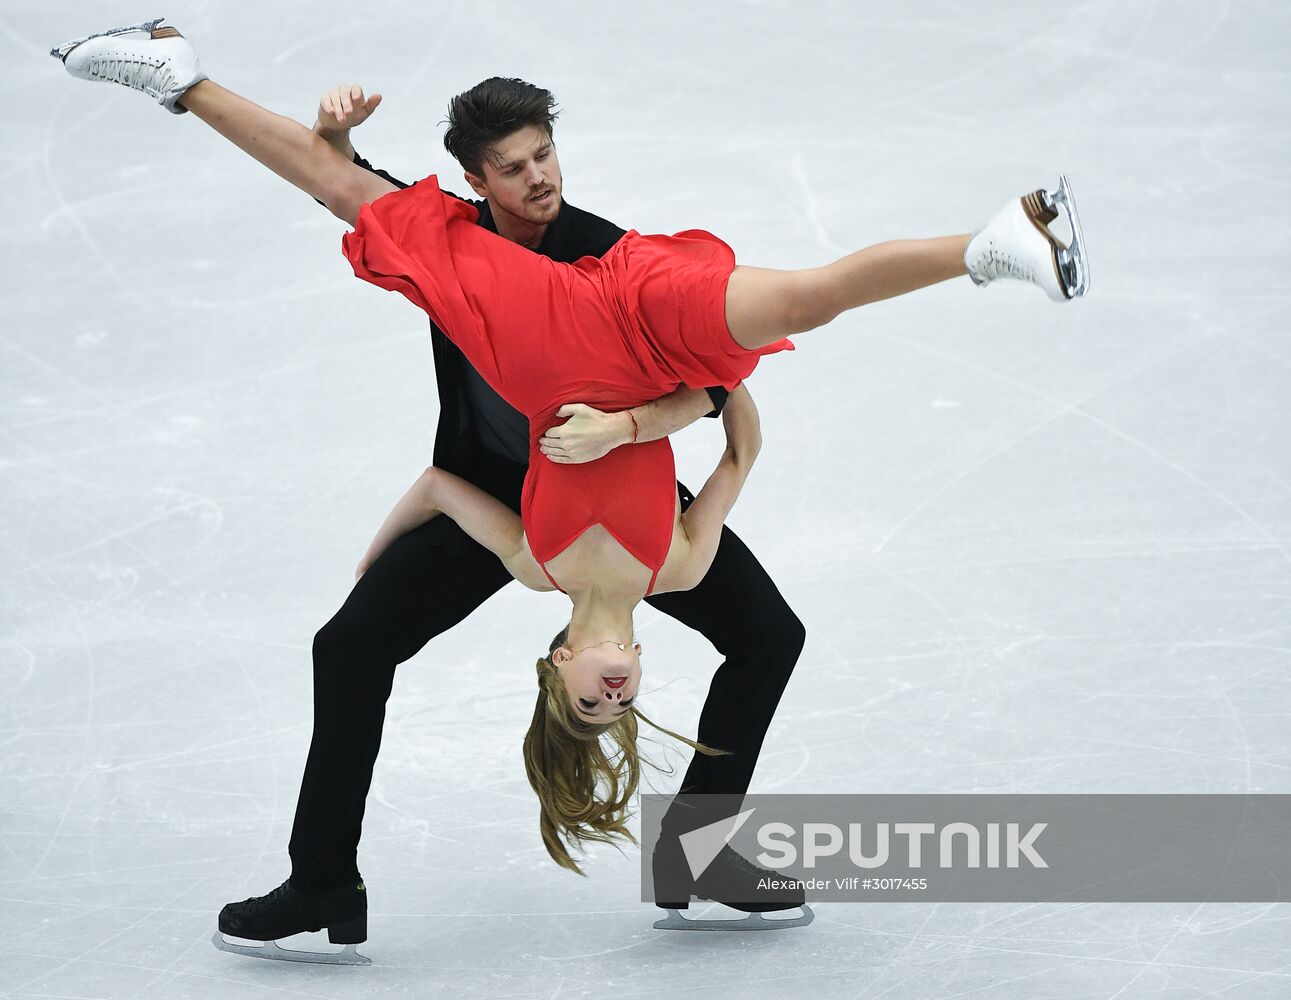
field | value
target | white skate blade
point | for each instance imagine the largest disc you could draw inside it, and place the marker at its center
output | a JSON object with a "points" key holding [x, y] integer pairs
{"points": [[271, 950], [1073, 262], [674, 921], [60, 51]]}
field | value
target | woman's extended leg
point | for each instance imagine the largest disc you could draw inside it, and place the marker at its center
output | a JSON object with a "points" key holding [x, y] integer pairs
{"points": [[160, 62], [763, 305], [292, 151]]}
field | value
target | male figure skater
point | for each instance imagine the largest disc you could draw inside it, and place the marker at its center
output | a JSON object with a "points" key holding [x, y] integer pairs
{"points": [[435, 576]]}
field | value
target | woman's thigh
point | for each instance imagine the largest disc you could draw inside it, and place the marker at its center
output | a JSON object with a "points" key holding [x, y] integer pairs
{"points": [[764, 305]]}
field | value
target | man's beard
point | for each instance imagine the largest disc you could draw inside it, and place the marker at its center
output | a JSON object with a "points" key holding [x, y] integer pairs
{"points": [[542, 212]]}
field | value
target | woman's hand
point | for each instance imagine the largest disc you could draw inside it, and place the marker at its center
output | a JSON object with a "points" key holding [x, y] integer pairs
{"points": [[587, 435]]}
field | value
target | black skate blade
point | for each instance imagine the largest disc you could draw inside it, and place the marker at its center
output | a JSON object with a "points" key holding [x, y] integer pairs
{"points": [[674, 921], [1073, 262], [60, 51], [271, 950]]}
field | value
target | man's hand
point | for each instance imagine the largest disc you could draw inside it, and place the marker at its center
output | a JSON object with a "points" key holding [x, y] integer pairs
{"points": [[587, 435], [339, 110]]}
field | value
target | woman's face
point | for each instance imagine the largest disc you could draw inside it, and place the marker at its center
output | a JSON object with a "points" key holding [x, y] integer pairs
{"points": [[601, 680]]}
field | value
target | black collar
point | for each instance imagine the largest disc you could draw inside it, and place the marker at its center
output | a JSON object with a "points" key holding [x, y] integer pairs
{"points": [[552, 238]]}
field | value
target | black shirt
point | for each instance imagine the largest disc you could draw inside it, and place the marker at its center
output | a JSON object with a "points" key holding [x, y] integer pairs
{"points": [[480, 435]]}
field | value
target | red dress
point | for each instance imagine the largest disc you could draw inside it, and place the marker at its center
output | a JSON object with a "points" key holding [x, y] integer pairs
{"points": [[613, 332]]}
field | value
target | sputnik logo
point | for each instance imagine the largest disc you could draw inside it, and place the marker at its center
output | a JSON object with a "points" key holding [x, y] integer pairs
{"points": [[703, 844]]}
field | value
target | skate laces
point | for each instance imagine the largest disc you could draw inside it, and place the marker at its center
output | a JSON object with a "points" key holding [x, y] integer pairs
{"points": [[734, 859], [258, 904], [135, 72], [997, 264]]}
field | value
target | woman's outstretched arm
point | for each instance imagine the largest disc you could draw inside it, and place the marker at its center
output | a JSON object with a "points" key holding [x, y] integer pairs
{"points": [[702, 521], [414, 509], [482, 516], [288, 148]]}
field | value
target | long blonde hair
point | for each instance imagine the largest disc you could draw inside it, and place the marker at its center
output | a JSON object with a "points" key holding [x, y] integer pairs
{"points": [[566, 762]]}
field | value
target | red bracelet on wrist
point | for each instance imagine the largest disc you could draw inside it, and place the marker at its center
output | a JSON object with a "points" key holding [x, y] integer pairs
{"points": [[635, 428]]}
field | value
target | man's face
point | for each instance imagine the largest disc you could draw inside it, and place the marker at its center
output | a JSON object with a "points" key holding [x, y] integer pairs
{"points": [[522, 177]]}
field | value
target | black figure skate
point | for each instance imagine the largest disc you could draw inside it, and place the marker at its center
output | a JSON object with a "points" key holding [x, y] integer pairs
{"points": [[286, 911], [732, 880]]}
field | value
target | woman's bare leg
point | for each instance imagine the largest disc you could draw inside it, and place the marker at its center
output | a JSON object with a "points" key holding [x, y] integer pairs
{"points": [[764, 305], [159, 61], [292, 151]]}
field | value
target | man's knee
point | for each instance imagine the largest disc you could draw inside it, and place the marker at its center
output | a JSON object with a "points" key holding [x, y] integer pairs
{"points": [[777, 640], [797, 634], [792, 636], [337, 643]]}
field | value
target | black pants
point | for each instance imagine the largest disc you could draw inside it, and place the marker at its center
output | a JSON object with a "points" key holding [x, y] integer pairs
{"points": [[435, 576]]}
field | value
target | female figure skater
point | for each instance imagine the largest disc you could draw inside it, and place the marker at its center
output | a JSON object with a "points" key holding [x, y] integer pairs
{"points": [[654, 313]]}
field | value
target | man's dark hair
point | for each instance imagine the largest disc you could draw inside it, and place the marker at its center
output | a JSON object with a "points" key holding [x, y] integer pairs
{"points": [[491, 111]]}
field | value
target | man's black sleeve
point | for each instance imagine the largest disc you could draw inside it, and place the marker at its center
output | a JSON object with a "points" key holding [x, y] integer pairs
{"points": [[718, 395]]}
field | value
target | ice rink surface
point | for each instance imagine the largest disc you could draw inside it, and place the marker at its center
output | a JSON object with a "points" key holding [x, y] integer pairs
{"points": [[1036, 549]]}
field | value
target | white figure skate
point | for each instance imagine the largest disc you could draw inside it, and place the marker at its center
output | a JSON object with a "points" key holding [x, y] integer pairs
{"points": [[156, 60], [1017, 243]]}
